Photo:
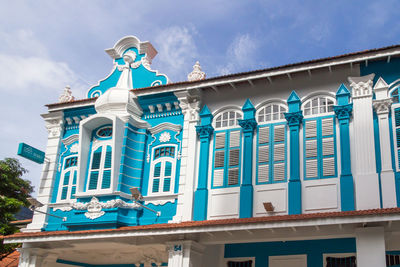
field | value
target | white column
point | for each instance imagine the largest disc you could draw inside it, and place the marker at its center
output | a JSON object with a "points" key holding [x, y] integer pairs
{"points": [[189, 103], [366, 179], [184, 254], [54, 124], [31, 257], [370, 242], [382, 108]]}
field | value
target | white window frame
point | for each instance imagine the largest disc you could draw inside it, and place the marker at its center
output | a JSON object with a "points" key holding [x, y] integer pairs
{"points": [[395, 149], [96, 144], [238, 116], [282, 109], [70, 182], [319, 113], [163, 161]]}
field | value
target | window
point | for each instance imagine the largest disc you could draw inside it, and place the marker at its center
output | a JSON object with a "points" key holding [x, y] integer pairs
{"points": [[271, 144], [100, 160], [227, 147], [68, 179], [240, 263], [395, 95], [397, 134], [319, 139], [162, 171], [341, 261]]}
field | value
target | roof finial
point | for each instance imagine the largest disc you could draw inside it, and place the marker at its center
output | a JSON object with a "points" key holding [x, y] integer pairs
{"points": [[196, 74], [66, 96]]}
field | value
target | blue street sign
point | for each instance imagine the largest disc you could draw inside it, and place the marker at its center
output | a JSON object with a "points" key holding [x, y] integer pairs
{"points": [[31, 153]]}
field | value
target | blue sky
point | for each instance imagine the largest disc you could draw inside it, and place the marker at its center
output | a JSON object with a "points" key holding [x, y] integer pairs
{"points": [[45, 45]]}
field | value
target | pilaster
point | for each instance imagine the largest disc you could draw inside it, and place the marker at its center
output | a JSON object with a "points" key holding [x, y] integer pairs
{"points": [[184, 253], [54, 124], [189, 102], [370, 243], [204, 130], [294, 118], [343, 113], [381, 106], [366, 179], [248, 125]]}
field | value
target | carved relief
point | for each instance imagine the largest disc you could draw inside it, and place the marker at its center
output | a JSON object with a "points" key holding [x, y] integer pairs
{"points": [[54, 127], [66, 96], [164, 137], [294, 118], [343, 112], [196, 74], [204, 131], [382, 106]]}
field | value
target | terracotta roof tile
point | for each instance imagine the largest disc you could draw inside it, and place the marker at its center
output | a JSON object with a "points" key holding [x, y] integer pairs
{"points": [[221, 222], [21, 221], [10, 260]]}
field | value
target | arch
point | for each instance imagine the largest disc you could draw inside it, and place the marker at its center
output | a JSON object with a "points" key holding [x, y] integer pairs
{"points": [[318, 103], [271, 110], [227, 117]]}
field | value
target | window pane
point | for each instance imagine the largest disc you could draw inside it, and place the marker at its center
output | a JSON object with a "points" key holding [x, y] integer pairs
{"points": [[96, 159], [168, 168], [157, 170], [94, 176], [107, 162], [106, 182]]}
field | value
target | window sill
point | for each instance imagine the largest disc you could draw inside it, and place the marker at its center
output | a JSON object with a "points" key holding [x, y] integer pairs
{"points": [[65, 205], [160, 199], [102, 193]]}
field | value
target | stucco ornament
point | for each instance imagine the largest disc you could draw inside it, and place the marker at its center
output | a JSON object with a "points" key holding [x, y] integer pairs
{"points": [[196, 74], [129, 59], [66, 96], [94, 207], [74, 148], [165, 137]]}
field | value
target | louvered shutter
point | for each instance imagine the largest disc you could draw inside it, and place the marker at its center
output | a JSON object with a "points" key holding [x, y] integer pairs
{"points": [[219, 140], [234, 139], [64, 191], [279, 152], [327, 126], [107, 162], [311, 129], [263, 135], [311, 148], [73, 189], [219, 160], [233, 176], [311, 168], [279, 133], [218, 177], [263, 173], [94, 176], [279, 171], [234, 157], [397, 124], [157, 170], [106, 182], [167, 184], [96, 159], [66, 178], [328, 166], [156, 185], [168, 168], [328, 147], [263, 154]]}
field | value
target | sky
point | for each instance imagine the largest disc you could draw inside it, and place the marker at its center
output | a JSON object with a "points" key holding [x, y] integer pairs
{"points": [[46, 45]]}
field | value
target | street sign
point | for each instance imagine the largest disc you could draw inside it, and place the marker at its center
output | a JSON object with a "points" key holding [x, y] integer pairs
{"points": [[31, 153]]}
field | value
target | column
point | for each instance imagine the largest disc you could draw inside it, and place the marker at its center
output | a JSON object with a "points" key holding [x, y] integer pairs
{"points": [[246, 188], [343, 112], [189, 103], [382, 105], [370, 243], [184, 254], [204, 131], [294, 118], [366, 179], [54, 124]]}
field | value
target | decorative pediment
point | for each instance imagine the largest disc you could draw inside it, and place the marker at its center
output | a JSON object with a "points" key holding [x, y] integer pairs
{"points": [[165, 126]]}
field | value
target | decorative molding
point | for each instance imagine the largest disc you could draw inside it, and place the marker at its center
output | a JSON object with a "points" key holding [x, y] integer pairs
{"points": [[63, 206], [94, 207], [248, 125], [70, 139], [204, 131], [164, 137], [66, 96], [361, 86], [197, 74], [189, 102], [344, 111], [165, 126], [382, 106], [160, 200], [294, 118]]}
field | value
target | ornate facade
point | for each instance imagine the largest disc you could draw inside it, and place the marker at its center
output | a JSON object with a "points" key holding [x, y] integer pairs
{"points": [[296, 165]]}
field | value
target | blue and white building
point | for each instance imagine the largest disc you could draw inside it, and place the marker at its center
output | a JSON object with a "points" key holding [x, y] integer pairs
{"points": [[297, 165]]}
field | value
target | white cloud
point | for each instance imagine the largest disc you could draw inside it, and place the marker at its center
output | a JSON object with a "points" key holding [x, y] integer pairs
{"points": [[177, 51]]}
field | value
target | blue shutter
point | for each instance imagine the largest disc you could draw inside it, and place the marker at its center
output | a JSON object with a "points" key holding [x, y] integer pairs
{"points": [[157, 170], [66, 178], [397, 116], [168, 169], [106, 179], [96, 159], [73, 190], [167, 184], [74, 180], [107, 162], [156, 185], [64, 192], [94, 176]]}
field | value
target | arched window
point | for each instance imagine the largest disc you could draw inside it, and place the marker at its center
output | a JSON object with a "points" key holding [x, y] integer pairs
{"points": [[271, 144], [162, 170], [319, 139], [395, 95], [67, 186], [227, 148], [100, 166]]}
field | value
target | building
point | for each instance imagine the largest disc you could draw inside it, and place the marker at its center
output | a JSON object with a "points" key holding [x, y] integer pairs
{"points": [[296, 165]]}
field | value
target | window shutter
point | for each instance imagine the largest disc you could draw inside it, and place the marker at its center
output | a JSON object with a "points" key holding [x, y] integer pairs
{"points": [[398, 137], [328, 166], [328, 147], [311, 168], [279, 171], [156, 185], [73, 191], [263, 135], [279, 152], [311, 128], [233, 176], [397, 117], [157, 170], [94, 176], [279, 133], [66, 178], [96, 159], [311, 148], [327, 126], [234, 157], [263, 173], [64, 192], [106, 182], [234, 139], [218, 177], [220, 140], [167, 184], [74, 180], [219, 159], [263, 154], [107, 162], [168, 169]]}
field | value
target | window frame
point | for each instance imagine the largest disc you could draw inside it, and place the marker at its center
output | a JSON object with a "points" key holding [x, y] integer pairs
{"points": [[162, 160], [73, 170]]}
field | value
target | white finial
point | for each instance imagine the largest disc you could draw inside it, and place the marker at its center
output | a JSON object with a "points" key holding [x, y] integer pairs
{"points": [[66, 96], [196, 74]]}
